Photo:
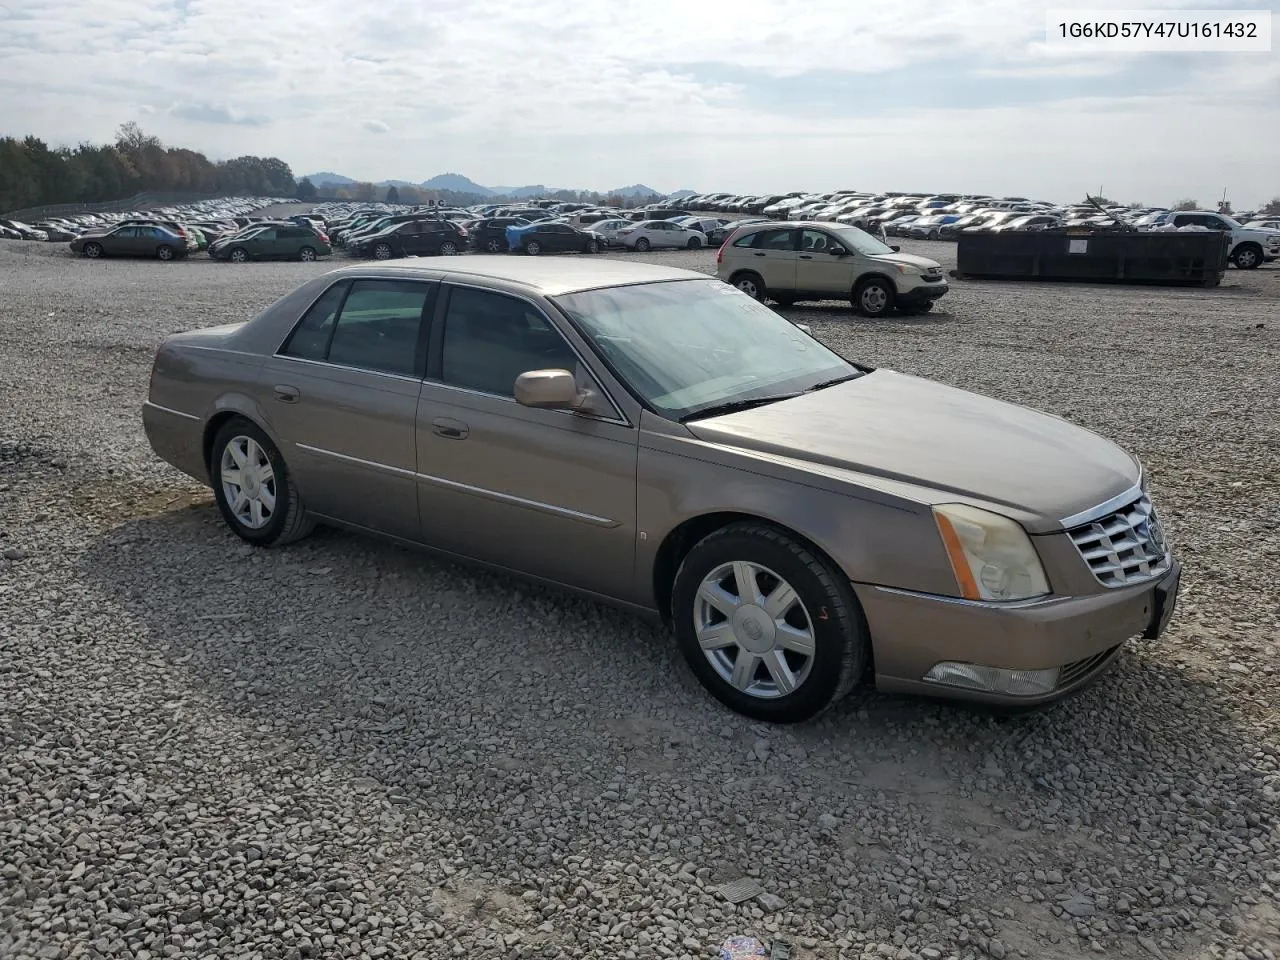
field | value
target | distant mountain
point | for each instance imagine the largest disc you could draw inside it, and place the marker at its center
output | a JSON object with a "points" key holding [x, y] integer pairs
{"points": [[677, 194], [334, 178], [636, 190], [455, 182]]}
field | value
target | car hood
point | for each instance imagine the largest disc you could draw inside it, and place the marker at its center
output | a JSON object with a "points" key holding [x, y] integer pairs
{"points": [[957, 444], [910, 259]]}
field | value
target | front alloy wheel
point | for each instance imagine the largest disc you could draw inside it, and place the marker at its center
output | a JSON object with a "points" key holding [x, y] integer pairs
{"points": [[382, 251], [769, 626]]}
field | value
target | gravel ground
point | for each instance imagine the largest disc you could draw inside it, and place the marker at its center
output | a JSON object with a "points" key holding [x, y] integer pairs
{"points": [[346, 749]]}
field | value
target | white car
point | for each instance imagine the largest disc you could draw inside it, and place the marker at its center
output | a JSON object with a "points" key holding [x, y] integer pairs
{"points": [[607, 230], [1249, 246], [653, 234]]}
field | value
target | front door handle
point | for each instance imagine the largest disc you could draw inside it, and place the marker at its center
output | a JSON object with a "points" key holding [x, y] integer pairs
{"points": [[286, 393], [805, 256], [450, 429], [759, 254]]}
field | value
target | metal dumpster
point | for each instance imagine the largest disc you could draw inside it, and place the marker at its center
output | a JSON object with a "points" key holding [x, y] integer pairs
{"points": [[1191, 258]]}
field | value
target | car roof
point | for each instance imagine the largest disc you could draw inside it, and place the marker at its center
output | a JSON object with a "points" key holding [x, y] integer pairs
{"points": [[548, 276]]}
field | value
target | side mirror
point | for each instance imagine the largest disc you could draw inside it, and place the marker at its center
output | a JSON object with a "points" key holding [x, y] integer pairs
{"points": [[552, 390], [895, 248], [804, 327], [836, 251]]}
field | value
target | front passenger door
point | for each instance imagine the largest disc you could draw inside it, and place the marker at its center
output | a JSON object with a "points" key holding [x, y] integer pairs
{"points": [[264, 245], [549, 493], [818, 272]]}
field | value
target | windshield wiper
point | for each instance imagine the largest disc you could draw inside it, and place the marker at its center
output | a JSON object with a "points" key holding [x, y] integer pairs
{"points": [[733, 406], [833, 381]]}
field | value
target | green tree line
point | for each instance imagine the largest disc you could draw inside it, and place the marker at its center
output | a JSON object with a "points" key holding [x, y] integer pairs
{"points": [[32, 173]]}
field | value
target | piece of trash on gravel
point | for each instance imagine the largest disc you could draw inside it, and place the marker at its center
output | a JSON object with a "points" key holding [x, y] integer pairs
{"points": [[740, 891], [742, 948]]}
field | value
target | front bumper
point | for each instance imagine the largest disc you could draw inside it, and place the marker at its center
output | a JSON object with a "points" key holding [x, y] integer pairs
{"points": [[924, 292], [911, 633]]}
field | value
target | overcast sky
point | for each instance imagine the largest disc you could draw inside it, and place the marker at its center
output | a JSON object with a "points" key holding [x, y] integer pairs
{"points": [[734, 95]]}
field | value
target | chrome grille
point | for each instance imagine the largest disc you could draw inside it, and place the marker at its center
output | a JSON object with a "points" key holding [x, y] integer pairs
{"points": [[1124, 547]]}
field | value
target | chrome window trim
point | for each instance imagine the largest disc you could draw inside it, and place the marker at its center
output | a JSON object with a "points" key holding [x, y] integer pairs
{"points": [[621, 416], [467, 488], [345, 278], [347, 367], [1103, 509], [176, 413]]}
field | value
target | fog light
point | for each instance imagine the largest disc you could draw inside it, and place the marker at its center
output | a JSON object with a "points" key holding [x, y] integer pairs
{"points": [[1013, 683]]}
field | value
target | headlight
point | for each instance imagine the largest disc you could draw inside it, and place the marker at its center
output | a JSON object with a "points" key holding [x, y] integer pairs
{"points": [[991, 555]]}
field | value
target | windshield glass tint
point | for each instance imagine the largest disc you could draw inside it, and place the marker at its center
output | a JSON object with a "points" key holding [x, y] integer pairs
{"points": [[688, 344]]}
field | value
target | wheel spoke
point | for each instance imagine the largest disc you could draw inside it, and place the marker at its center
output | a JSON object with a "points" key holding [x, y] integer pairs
{"points": [[240, 503], [233, 476], [237, 454], [268, 498], [719, 598], [776, 664], [795, 639], [255, 512], [744, 574], [780, 600], [744, 669], [716, 636]]}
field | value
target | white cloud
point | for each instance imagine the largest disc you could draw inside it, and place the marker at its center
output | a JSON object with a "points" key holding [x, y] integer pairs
{"points": [[662, 92]]}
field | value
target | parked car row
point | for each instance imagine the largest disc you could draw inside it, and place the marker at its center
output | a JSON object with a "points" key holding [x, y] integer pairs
{"points": [[202, 218]]}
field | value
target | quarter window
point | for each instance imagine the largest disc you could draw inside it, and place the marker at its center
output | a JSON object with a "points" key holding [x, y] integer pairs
{"points": [[490, 339]]}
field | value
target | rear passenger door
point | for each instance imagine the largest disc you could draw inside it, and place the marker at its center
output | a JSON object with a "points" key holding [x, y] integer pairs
{"points": [[341, 395], [774, 257]]}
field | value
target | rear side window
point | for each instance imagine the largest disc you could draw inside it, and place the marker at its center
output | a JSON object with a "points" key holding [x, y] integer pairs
{"points": [[379, 325], [310, 338], [775, 240], [745, 241]]}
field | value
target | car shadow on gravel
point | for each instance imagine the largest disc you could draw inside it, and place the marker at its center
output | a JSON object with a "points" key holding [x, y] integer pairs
{"points": [[413, 674]]}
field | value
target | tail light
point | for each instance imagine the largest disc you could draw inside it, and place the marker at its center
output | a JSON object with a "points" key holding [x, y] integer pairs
{"points": [[723, 244]]}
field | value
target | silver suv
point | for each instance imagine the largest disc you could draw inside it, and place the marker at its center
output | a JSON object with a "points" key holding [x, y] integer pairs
{"points": [[828, 261]]}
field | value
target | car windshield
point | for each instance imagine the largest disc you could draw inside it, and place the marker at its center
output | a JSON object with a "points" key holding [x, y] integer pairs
{"points": [[689, 345], [860, 241]]}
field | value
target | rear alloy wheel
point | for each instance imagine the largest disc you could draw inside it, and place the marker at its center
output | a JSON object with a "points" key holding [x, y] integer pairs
{"points": [[93, 250], [694, 243], [239, 255], [164, 252], [382, 251], [494, 245], [642, 245], [253, 488], [750, 284], [1247, 257], [448, 248], [307, 254], [873, 298], [770, 628], [533, 248]]}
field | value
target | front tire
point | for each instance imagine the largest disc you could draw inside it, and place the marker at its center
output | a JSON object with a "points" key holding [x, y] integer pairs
{"points": [[533, 248], [164, 252], [770, 628], [693, 244], [642, 245], [239, 255], [253, 488], [383, 251], [873, 297], [93, 250]]}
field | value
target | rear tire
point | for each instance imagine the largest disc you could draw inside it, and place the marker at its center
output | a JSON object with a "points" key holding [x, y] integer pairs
{"points": [[307, 254], [533, 248], [494, 245], [749, 283], [642, 245], [164, 252], [448, 248], [288, 520], [730, 595], [694, 243]]}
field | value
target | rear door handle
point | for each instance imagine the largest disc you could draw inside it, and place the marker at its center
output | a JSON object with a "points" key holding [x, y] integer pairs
{"points": [[449, 428], [286, 393], [805, 256], [759, 254]]}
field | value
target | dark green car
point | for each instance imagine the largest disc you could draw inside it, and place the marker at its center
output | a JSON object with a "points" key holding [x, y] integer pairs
{"points": [[276, 242]]}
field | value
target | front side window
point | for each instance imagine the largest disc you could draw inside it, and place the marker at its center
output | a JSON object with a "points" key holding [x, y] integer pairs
{"points": [[686, 345], [490, 339]]}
